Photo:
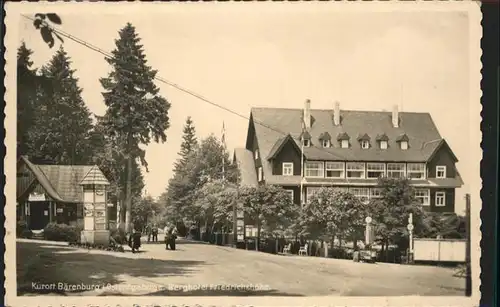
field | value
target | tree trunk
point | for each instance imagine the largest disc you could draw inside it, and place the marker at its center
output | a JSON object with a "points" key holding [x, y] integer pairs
{"points": [[257, 243], [128, 194]]}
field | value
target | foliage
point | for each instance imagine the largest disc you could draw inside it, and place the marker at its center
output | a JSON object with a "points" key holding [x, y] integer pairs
{"points": [[203, 165], [188, 145], [60, 133], [214, 202], [43, 23], [447, 226], [22, 230], [136, 113], [333, 212], [61, 232], [143, 211], [391, 211], [269, 207]]}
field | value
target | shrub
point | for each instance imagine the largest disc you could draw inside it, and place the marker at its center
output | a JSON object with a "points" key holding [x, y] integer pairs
{"points": [[62, 232], [119, 235], [21, 227]]}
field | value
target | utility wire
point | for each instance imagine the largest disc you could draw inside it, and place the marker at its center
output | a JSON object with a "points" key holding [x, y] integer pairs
{"points": [[169, 83]]}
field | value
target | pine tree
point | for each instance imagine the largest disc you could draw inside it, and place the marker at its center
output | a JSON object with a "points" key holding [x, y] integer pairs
{"points": [[136, 113], [188, 145], [61, 132], [26, 96]]}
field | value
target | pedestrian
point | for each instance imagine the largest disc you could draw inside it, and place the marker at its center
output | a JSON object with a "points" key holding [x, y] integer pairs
{"points": [[154, 231], [166, 230]]}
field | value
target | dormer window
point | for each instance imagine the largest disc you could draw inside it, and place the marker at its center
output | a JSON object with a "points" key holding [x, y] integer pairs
{"points": [[306, 139], [364, 140], [403, 141], [383, 139], [343, 138], [325, 140]]}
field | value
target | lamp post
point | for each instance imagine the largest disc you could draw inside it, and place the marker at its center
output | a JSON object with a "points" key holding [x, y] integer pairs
{"points": [[368, 232], [410, 231]]}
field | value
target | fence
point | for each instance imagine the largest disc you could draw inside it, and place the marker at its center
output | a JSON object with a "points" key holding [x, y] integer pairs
{"points": [[439, 250]]}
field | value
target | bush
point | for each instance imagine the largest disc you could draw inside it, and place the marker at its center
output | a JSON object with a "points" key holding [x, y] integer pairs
{"points": [[21, 228], [62, 232], [119, 235]]}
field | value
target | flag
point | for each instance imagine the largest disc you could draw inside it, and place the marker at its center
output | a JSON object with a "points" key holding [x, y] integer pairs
{"points": [[223, 140]]}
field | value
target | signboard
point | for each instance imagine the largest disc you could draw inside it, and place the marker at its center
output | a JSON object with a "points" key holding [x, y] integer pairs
{"points": [[46, 212], [240, 223], [240, 214], [89, 210], [59, 210], [100, 220], [99, 206], [100, 226], [36, 197], [240, 237], [110, 205], [410, 227]]}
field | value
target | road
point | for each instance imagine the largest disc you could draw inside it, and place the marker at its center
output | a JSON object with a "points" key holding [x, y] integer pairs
{"points": [[202, 269]]}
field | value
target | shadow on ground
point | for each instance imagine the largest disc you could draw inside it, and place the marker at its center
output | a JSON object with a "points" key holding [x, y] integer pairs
{"points": [[51, 267]]}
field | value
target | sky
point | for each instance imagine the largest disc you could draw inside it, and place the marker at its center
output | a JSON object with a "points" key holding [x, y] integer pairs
{"points": [[273, 57]]}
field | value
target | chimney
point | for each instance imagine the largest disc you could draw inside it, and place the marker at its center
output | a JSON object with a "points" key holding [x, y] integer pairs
{"points": [[395, 117], [336, 114], [307, 114]]}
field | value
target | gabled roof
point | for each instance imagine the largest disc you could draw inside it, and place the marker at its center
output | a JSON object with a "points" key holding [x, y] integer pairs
{"points": [[62, 182], [419, 128], [325, 136], [94, 176], [382, 137], [305, 136], [279, 145], [246, 165], [402, 138], [343, 137], [364, 137]]}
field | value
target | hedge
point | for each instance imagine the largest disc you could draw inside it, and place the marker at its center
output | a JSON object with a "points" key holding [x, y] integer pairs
{"points": [[62, 232]]}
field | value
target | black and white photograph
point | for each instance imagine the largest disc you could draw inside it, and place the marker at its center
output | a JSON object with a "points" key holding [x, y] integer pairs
{"points": [[278, 154]]}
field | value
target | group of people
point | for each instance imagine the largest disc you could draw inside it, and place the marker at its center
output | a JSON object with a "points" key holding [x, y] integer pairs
{"points": [[170, 232]]}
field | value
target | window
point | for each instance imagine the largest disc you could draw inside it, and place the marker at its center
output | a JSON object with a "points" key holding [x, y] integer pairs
{"points": [[291, 194], [256, 154], [416, 170], [404, 145], [335, 169], [423, 196], [395, 170], [440, 199], [314, 169], [355, 170], [287, 169], [440, 171], [362, 193], [326, 143], [261, 176], [375, 170], [306, 143], [383, 144], [344, 144], [365, 144], [375, 193], [310, 192]]}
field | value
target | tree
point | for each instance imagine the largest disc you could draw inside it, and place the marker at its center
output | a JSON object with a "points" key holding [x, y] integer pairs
{"points": [[188, 145], [136, 113], [203, 165], [447, 226], [391, 211], [332, 212], [44, 23], [143, 210], [268, 206], [27, 88], [61, 132]]}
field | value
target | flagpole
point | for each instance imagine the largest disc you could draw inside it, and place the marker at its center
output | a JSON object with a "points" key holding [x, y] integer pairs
{"points": [[223, 152]]}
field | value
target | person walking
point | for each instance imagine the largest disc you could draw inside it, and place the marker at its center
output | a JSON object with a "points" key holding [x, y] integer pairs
{"points": [[148, 231]]}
